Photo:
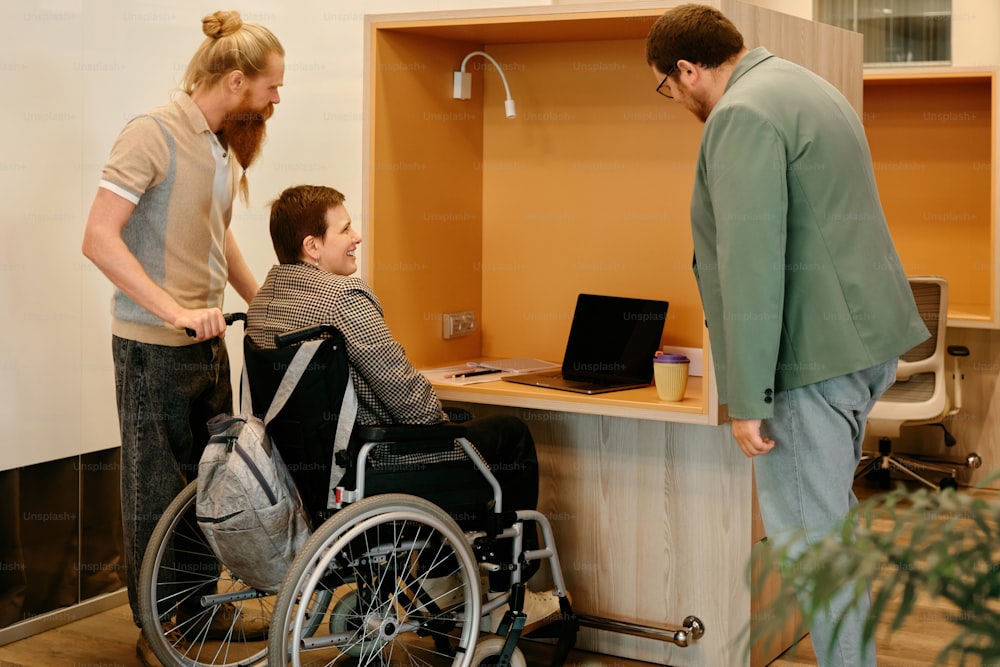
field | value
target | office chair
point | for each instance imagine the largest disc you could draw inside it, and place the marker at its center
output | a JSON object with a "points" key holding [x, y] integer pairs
{"points": [[920, 396]]}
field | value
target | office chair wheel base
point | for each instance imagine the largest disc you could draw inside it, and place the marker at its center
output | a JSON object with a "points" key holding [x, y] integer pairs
{"points": [[881, 477], [948, 483]]}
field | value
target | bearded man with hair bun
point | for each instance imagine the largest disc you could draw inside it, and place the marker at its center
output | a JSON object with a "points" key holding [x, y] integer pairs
{"points": [[159, 230]]}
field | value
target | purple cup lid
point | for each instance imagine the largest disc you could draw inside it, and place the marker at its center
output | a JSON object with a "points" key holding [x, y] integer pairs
{"points": [[665, 358]]}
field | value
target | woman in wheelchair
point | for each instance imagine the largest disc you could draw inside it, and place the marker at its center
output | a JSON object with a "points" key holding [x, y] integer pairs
{"points": [[313, 284]]}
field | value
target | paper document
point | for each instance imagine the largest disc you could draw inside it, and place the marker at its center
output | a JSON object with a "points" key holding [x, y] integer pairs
{"points": [[474, 372], [516, 365], [461, 374]]}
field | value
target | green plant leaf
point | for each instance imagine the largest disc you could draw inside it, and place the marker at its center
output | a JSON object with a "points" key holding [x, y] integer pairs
{"points": [[940, 545]]}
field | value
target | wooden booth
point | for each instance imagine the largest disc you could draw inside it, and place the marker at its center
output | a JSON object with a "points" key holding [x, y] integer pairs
{"points": [[587, 189]]}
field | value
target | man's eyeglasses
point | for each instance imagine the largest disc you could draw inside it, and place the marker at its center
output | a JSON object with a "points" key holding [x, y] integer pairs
{"points": [[666, 91]]}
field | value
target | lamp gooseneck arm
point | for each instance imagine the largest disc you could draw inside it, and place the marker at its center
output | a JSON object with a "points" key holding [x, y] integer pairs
{"points": [[508, 102]]}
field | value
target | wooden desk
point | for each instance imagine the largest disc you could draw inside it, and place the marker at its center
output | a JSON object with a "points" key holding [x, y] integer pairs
{"points": [[640, 403], [652, 514]]}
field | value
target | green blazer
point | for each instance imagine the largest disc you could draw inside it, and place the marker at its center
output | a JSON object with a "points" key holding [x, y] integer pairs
{"points": [[797, 272]]}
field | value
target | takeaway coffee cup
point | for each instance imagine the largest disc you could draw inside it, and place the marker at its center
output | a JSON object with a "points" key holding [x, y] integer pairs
{"points": [[670, 373]]}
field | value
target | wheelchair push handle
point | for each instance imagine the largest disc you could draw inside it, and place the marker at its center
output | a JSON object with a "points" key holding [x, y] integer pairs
{"points": [[305, 333], [230, 319]]}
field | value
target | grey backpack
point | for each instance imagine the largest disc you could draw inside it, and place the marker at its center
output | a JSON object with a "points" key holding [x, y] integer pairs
{"points": [[247, 504]]}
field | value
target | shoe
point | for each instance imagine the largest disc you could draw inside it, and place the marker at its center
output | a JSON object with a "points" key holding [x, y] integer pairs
{"points": [[540, 609], [247, 626], [144, 652]]}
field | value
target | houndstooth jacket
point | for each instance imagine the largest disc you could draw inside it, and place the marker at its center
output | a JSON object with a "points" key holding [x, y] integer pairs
{"points": [[390, 390]]}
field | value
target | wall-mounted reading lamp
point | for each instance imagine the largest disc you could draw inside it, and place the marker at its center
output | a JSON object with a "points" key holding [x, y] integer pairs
{"points": [[463, 83]]}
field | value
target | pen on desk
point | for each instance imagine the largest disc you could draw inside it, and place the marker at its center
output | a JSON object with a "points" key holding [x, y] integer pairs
{"points": [[473, 373]]}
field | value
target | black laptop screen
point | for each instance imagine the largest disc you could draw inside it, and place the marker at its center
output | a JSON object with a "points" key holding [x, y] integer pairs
{"points": [[614, 338]]}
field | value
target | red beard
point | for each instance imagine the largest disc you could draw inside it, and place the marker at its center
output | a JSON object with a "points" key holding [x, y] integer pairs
{"points": [[244, 131]]}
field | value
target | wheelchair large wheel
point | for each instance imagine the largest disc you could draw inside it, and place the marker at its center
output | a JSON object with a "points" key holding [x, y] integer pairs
{"points": [[389, 580], [194, 613]]}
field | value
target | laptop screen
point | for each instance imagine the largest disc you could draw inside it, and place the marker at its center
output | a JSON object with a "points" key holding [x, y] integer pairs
{"points": [[614, 338]]}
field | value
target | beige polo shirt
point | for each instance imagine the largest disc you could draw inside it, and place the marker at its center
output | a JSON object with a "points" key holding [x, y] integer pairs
{"points": [[182, 182]]}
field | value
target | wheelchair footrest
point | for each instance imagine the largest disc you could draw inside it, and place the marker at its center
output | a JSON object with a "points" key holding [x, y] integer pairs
{"points": [[564, 630]]}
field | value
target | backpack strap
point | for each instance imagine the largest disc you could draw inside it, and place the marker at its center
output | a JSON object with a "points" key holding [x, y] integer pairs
{"points": [[345, 426], [296, 369]]}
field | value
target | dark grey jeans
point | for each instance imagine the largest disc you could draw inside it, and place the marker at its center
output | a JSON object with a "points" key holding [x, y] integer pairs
{"points": [[165, 397]]}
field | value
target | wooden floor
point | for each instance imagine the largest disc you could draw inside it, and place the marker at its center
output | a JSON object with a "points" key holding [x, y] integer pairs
{"points": [[926, 631], [108, 640], [915, 644]]}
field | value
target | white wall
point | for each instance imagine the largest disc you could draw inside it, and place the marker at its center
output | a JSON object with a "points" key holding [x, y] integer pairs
{"points": [[975, 39], [73, 72]]}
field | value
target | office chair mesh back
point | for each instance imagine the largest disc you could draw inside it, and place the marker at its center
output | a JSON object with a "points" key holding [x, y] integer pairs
{"points": [[928, 299], [920, 387]]}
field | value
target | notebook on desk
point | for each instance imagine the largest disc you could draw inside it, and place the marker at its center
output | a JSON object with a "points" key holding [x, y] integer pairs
{"points": [[611, 345]]}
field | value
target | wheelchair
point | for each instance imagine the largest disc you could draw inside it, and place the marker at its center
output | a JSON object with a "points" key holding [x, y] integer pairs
{"points": [[406, 520]]}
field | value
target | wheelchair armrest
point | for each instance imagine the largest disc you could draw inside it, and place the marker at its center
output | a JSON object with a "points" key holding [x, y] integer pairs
{"points": [[410, 432]]}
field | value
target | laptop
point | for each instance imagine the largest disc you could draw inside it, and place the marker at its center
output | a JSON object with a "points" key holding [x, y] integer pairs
{"points": [[611, 345]]}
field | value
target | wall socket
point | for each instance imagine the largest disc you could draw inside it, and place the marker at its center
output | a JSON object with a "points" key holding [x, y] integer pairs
{"points": [[457, 324]]}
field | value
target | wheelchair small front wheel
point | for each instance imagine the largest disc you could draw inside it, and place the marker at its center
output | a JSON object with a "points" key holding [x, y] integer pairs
{"points": [[488, 652]]}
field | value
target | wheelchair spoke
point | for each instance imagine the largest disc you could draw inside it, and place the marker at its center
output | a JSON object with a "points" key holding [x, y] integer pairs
{"points": [[179, 572], [412, 597]]}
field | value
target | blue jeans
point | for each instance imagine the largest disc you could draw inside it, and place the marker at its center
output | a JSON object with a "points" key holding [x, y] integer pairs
{"points": [[165, 397], [805, 483]]}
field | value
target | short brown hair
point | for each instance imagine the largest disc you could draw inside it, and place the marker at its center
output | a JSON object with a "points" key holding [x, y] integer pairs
{"points": [[299, 212], [698, 33]]}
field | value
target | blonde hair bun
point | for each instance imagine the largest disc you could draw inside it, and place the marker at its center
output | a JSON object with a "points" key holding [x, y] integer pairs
{"points": [[221, 24]]}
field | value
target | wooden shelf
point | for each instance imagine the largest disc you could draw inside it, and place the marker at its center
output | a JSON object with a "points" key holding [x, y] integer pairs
{"points": [[511, 219], [933, 137], [587, 190], [527, 25]]}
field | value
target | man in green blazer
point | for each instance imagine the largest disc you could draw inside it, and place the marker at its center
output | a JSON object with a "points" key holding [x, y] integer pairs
{"points": [[807, 304]]}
